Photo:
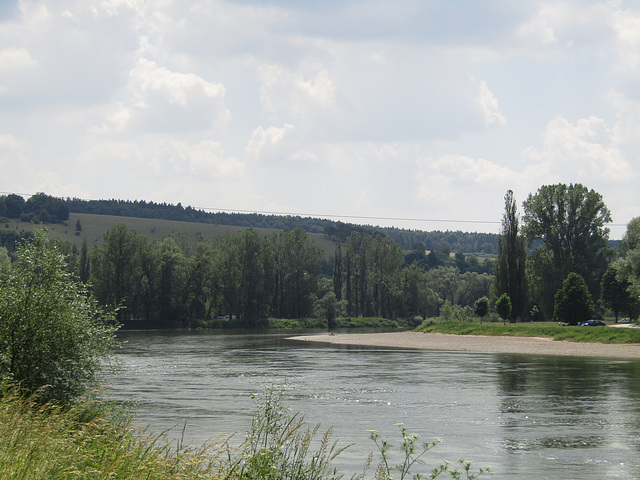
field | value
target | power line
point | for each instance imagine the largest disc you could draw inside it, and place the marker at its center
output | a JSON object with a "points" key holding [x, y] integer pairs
{"points": [[361, 217], [353, 217]]}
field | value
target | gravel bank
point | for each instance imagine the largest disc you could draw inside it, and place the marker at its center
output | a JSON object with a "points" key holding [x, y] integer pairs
{"points": [[473, 343]]}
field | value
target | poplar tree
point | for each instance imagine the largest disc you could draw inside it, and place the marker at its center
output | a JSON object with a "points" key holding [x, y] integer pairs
{"points": [[510, 278]]}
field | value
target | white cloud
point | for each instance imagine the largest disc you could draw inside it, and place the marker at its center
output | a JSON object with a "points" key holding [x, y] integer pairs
{"points": [[15, 59], [172, 101], [489, 105], [267, 139], [580, 152]]}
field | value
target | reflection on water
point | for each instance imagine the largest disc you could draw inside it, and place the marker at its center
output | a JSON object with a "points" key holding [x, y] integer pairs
{"points": [[533, 416]]}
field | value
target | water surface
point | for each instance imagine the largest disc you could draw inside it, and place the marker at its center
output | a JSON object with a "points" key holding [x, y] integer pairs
{"points": [[526, 416]]}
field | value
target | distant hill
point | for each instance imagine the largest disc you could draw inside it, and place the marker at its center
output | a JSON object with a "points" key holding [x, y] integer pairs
{"points": [[160, 219], [454, 241]]}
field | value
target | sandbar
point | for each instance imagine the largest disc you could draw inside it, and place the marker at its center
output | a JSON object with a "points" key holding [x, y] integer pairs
{"points": [[478, 344]]}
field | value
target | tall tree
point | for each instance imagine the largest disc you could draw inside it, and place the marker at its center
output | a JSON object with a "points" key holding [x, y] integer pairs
{"points": [[569, 221], [115, 271], [510, 277]]}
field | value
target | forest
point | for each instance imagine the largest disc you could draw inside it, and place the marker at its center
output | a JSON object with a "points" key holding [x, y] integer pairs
{"points": [[241, 280], [244, 279]]}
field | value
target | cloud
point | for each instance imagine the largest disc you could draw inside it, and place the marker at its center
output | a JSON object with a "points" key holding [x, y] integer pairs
{"points": [[267, 140], [12, 59], [172, 101], [489, 105], [580, 152]]}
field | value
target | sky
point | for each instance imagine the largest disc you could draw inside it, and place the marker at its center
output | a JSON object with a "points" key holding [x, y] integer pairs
{"points": [[416, 114]]}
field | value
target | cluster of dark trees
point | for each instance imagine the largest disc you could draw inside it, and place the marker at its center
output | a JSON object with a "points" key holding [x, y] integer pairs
{"points": [[39, 208], [242, 279]]}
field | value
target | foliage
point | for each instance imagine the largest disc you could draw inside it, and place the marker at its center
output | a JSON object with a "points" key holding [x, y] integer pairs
{"points": [[616, 295], [86, 441], [53, 337], [510, 263], [39, 208], [481, 308], [279, 445], [573, 303], [570, 222], [628, 267], [412, 454], [456, 313], [503, 307]]}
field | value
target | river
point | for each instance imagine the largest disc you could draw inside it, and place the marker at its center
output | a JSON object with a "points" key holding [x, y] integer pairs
{"points": [[525, 416]]}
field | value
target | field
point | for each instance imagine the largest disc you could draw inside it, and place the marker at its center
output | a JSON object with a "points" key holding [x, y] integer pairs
{"points": [[94, 226]]}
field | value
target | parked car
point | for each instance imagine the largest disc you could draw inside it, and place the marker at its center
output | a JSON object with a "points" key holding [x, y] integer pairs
{"points": [[593, 323]]}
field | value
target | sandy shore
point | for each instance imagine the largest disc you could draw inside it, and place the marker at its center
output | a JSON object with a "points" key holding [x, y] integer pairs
{"points": [[481, 344]]}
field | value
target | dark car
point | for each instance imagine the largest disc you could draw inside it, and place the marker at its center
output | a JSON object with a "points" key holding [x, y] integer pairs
{"points": [[593, 323]]}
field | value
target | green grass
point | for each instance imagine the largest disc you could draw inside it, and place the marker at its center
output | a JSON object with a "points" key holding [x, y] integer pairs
{"points": [[94, 441], [94, 226], [537, 329]]}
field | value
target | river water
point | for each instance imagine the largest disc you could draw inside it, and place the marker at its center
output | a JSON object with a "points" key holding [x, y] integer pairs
{"points": [[525, 416]]}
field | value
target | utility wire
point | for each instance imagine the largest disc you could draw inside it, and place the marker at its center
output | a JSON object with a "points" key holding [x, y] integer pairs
{"points": [[321, 216]]}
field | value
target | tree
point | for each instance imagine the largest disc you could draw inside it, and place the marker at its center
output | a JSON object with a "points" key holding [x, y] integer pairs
{"points": [[573, 303], [115, 271], [615, 293], [53, 337], [569, 221], [628, 267], [503, 307], [14, 205], [481, 308], [510, 262]]}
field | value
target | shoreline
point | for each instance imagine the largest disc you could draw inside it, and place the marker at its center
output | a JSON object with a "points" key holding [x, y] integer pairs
{"points": [[478, 344]]}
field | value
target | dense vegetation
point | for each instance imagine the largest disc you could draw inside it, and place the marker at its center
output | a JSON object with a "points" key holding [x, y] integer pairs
{"points": [[240, 280], [39, 208]]}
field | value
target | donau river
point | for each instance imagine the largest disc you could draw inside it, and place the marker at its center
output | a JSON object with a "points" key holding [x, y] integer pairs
{"points": [[525, 416]]}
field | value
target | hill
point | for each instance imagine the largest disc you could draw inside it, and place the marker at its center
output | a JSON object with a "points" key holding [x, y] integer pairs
{"points": [[93, 226], [42, 208]]}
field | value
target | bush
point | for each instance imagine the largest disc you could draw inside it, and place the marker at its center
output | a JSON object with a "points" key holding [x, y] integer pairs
{"points": [[53, 336]]}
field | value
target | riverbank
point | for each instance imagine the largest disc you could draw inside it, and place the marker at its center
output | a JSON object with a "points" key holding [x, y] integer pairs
{"points": [[479, 344]]}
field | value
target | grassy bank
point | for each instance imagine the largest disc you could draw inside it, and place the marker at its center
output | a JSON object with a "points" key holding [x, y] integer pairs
{"points": [[90, 441], [541, 329], [347, 322]]}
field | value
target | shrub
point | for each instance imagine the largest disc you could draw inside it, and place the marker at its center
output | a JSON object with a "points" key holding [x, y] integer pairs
{"points": [[53, 337]]}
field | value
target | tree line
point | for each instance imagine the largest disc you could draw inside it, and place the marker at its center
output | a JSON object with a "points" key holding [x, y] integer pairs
{"points": [[248, 278], [243, 279], [38, 208]]}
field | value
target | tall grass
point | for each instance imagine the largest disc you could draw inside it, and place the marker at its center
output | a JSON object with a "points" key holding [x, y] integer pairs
{"points": [[85, 441], [92, 440]]}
